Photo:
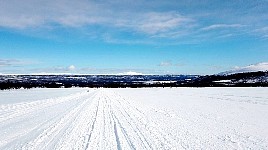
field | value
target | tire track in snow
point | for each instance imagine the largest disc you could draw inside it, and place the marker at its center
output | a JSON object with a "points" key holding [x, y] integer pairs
{"points": [[92, 127], [10, 111], [24, 126], [117, 137], [137, 134], [77, 135], [102, 135], [100, 120], [53, 132], [32, 124], [116, 124], [106, 120], [111, 127], [147, 132]]}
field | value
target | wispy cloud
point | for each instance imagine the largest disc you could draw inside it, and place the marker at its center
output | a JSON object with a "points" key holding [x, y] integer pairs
{"points": [[119, 71], [14, 62], [90, 70], [165, 64], [155, 23], [169, 64], [58, 69], [263, 31], [222, 26], [29, 13], [155, 20]]}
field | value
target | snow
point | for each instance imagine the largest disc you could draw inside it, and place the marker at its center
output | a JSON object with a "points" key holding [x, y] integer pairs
{"points": [[147, 118], [250, 68], [223, 81], [159, 82], [25, 95]]}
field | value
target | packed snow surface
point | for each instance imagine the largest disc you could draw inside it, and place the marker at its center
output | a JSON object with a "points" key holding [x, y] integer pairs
{"points": [[147, 118]]}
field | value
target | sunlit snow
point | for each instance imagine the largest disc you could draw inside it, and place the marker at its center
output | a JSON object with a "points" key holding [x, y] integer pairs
{"points": [[151, 118]]}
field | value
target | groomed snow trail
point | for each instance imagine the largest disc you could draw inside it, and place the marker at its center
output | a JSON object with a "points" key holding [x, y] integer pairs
{"points": [[120, 119], [95, 120]]}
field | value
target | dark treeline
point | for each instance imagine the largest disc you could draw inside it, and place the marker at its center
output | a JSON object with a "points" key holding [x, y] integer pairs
{"points": [[252, 79], [9, 85]]}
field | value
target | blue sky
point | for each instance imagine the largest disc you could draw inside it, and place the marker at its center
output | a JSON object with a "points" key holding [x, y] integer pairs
{"points": [[149, 37]]}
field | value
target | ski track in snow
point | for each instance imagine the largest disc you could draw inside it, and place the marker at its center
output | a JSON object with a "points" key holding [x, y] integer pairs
{"points": [[104, 119]]}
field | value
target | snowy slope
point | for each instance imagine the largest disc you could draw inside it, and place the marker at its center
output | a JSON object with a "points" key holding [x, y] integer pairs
{"points": [[250, 68], [153, 118]]}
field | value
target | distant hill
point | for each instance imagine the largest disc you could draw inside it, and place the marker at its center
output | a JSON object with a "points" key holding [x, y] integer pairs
{"points": [[251, 68], [247, 79]]}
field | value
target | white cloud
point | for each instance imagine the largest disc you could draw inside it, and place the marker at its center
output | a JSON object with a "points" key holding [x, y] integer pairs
{"points": [[89, 70], [54, 70], [13, 62], [50, 73], [263, 31], [222, 26], [71, 68], [31, 13], [251, 68], [130, 73], [37, 14], [169, 63], [165, 64], [184, 18], [153, 23]]}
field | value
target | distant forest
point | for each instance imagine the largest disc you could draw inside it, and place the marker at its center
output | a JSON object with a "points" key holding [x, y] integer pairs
{"points": [[251, 79]]}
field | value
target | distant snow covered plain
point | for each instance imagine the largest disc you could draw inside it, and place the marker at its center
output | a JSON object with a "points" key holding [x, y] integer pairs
{"points": [[147, 118]]}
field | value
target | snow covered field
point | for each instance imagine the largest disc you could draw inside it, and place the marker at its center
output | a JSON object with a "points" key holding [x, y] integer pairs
{"points": [[152, 118]]}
